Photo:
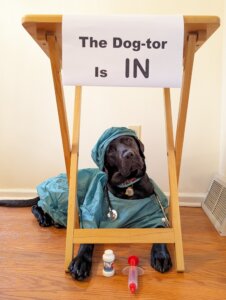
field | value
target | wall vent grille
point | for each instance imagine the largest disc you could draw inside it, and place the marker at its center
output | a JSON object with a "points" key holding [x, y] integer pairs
{"points": [[214, 205]]}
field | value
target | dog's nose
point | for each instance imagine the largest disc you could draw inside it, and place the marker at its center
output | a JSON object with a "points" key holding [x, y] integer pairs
{"points": [[128, 154]]}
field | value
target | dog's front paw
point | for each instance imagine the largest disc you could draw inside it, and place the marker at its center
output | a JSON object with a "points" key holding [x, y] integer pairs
{"points": [[43, 218], [160, 258], [80, 267]]}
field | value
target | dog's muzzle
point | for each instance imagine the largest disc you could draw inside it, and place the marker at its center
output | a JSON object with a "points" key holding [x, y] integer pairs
{"points": [[132, 164]]}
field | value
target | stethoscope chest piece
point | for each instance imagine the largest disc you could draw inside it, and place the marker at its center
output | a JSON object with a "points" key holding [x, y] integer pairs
{"points": [[112, 214]]}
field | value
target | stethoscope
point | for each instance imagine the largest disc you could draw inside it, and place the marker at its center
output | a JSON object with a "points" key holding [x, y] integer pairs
{"points": [[113, 214]]}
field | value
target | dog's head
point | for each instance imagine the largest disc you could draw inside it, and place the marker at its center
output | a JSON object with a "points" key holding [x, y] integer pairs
{"points": [[124, 159]]}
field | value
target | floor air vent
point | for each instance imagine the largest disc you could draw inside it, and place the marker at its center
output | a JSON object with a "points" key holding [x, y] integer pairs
{"points": [[215, 205]]}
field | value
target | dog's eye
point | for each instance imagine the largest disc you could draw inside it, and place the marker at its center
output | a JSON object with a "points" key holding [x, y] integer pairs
{"points": [[128, 141], [111, 149]]}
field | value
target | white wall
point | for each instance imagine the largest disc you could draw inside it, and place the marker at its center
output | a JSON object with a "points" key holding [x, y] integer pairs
{"points": [[30, 147], [223, 114]]}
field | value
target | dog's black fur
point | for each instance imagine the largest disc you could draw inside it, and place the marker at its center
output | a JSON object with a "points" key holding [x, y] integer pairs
{"points": [[124, 159]]}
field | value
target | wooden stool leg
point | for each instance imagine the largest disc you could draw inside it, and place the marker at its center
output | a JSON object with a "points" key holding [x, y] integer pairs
{"points": [[185, 90], [73, 212], [59, 92], [174, 203]]}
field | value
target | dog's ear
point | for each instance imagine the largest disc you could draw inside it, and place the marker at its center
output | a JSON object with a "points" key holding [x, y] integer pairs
{"points": [[141, 147]]}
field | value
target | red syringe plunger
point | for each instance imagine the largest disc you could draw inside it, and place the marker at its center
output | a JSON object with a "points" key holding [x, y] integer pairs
{"points": [[133, 271]]}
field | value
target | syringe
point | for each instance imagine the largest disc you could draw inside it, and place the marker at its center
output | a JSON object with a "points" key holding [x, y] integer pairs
{"points": [[133, 271]]}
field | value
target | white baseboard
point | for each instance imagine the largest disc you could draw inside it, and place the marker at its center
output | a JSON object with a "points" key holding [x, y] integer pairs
{"points": [[192, 199], [17, 193], [185, 199]]}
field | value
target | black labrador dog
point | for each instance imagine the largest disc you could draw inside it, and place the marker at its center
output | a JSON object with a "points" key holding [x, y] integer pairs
{"points": [[124, 162]]}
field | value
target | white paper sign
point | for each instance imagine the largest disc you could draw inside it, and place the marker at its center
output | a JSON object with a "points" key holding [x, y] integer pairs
{"points": [[123, 50]]}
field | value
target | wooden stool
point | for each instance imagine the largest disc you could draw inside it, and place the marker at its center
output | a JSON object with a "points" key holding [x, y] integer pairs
{"points": [[46, 30]]}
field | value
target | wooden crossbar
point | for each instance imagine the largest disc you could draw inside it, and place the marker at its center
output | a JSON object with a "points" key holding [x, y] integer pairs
{"points": [[124, 236]]}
